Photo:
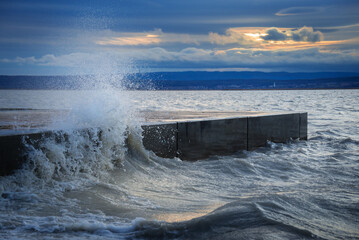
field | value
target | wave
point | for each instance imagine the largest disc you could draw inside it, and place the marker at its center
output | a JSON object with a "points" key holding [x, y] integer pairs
{"points": [[95, 183], [68, 155], [236, 220], [83, 146]]}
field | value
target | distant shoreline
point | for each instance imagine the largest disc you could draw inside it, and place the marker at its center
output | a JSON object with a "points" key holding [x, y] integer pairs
{"points": [[263, 89], [190, 81]]}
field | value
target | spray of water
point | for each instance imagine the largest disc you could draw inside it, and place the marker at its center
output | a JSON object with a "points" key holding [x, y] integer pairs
{"points": [[92, 139]]}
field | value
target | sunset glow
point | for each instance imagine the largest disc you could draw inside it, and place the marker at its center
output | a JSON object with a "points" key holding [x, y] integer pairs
{"points": [[169, 35]]}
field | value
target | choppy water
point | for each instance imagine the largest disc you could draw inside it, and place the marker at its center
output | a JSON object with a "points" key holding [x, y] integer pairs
{"points": [[80, 187]]}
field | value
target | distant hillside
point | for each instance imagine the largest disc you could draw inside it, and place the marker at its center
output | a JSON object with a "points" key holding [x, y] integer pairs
{"points": [[189, 81]]}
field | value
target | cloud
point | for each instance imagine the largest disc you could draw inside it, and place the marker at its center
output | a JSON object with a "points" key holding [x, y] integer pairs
{"points": [[68, 60], [232, 35], [339, 27], [298, 11], [30, 60], [274, 34], [78, 62], [240, 57], [131, 41], [246, 58], [192, 57], [155, 37], [304, 34], [158, 37], [251, 36]]}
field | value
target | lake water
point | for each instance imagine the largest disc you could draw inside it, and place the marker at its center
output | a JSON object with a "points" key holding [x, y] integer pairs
{"points": [[73, 188]]}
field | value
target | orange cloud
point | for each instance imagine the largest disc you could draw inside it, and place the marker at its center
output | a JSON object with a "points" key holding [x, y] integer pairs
{"points": [[150, 38], [293, 45], [246, 38], [136, 40], [272, 39]]}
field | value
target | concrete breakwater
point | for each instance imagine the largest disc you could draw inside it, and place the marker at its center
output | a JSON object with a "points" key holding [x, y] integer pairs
{"points": [[186, 135], [197, 135]]}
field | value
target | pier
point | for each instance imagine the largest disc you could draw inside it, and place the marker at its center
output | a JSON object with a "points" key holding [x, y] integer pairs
{"points": [[198, 135], [184, 134]]}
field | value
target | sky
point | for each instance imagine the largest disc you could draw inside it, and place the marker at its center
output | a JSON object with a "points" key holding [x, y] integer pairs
{"points": [[60, 37]]}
